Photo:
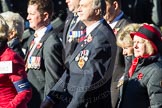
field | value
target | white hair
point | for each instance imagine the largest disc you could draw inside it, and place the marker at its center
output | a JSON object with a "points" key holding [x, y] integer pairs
{"points": [[15, 22]]}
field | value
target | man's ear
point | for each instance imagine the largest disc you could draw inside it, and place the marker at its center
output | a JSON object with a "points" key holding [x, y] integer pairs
{"points": [[98, 11], [115, 5], [45, 16]]}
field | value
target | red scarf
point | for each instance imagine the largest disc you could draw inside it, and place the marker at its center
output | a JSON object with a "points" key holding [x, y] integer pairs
{"points": [[134, 65]]}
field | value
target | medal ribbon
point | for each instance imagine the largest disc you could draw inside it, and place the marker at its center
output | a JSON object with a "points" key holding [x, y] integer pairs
{"points": [[83, 36]]}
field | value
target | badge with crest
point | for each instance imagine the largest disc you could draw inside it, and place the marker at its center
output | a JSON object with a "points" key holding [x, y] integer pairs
{"points": [[82, 58]]}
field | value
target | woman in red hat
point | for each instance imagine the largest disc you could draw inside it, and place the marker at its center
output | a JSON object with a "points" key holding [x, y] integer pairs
{"points": [[143, 87]]}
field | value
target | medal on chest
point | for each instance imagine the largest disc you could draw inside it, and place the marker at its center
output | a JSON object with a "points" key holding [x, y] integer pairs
{"points": [[81, 63], [34, 62], [82, 58]]}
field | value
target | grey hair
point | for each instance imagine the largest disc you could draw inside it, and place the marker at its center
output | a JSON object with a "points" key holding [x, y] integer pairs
{"points": [[3, 28], [15, 22], [100, 4]]}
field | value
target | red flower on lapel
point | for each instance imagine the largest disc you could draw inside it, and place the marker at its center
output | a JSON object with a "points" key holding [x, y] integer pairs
{"points": [[116, 30], [39, 45], [140, 75], [89, 38]]}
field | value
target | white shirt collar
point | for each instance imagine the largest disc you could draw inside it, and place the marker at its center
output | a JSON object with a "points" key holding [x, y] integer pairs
{"points": [[115, 21], [40, 33]]}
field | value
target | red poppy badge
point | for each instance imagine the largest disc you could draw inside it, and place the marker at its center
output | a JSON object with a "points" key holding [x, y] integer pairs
{"points": [[139, 76], [39, 45], [116, 30]]}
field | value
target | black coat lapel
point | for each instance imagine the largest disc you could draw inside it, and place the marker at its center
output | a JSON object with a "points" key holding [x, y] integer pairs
{"points": [[31, 38], [44, 38], [122, 22], [66, 27]]}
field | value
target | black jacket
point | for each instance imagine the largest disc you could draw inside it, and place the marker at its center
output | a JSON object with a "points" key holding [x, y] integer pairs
{"points": [[89, 86], [44, 77], [144, 88]]}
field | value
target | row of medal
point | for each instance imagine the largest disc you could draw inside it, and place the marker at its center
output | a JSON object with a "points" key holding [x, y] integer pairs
{"points": [[34, 62], [75, 35], [80, 36]]}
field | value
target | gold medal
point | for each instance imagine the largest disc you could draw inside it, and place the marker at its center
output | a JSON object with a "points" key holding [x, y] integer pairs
{"points": [[81, 63]]}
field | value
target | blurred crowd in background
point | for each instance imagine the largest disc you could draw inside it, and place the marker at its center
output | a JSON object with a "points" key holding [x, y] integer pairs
{"points": [[139, 11]]}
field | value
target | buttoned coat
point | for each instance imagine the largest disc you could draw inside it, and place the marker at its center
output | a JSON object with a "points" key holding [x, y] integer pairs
{"points": [[88, 83], [51, 66]]}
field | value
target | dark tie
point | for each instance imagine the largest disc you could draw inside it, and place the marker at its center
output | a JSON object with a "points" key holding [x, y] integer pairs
{"points": [[71, 27], [73, 22]]}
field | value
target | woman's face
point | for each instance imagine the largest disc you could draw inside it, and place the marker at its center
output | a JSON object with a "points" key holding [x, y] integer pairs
{"points": [[127, 50], [139, 46]]}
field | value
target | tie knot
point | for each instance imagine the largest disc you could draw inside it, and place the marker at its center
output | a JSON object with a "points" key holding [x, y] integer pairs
{"points": [[35, 35], [75, 15]]}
